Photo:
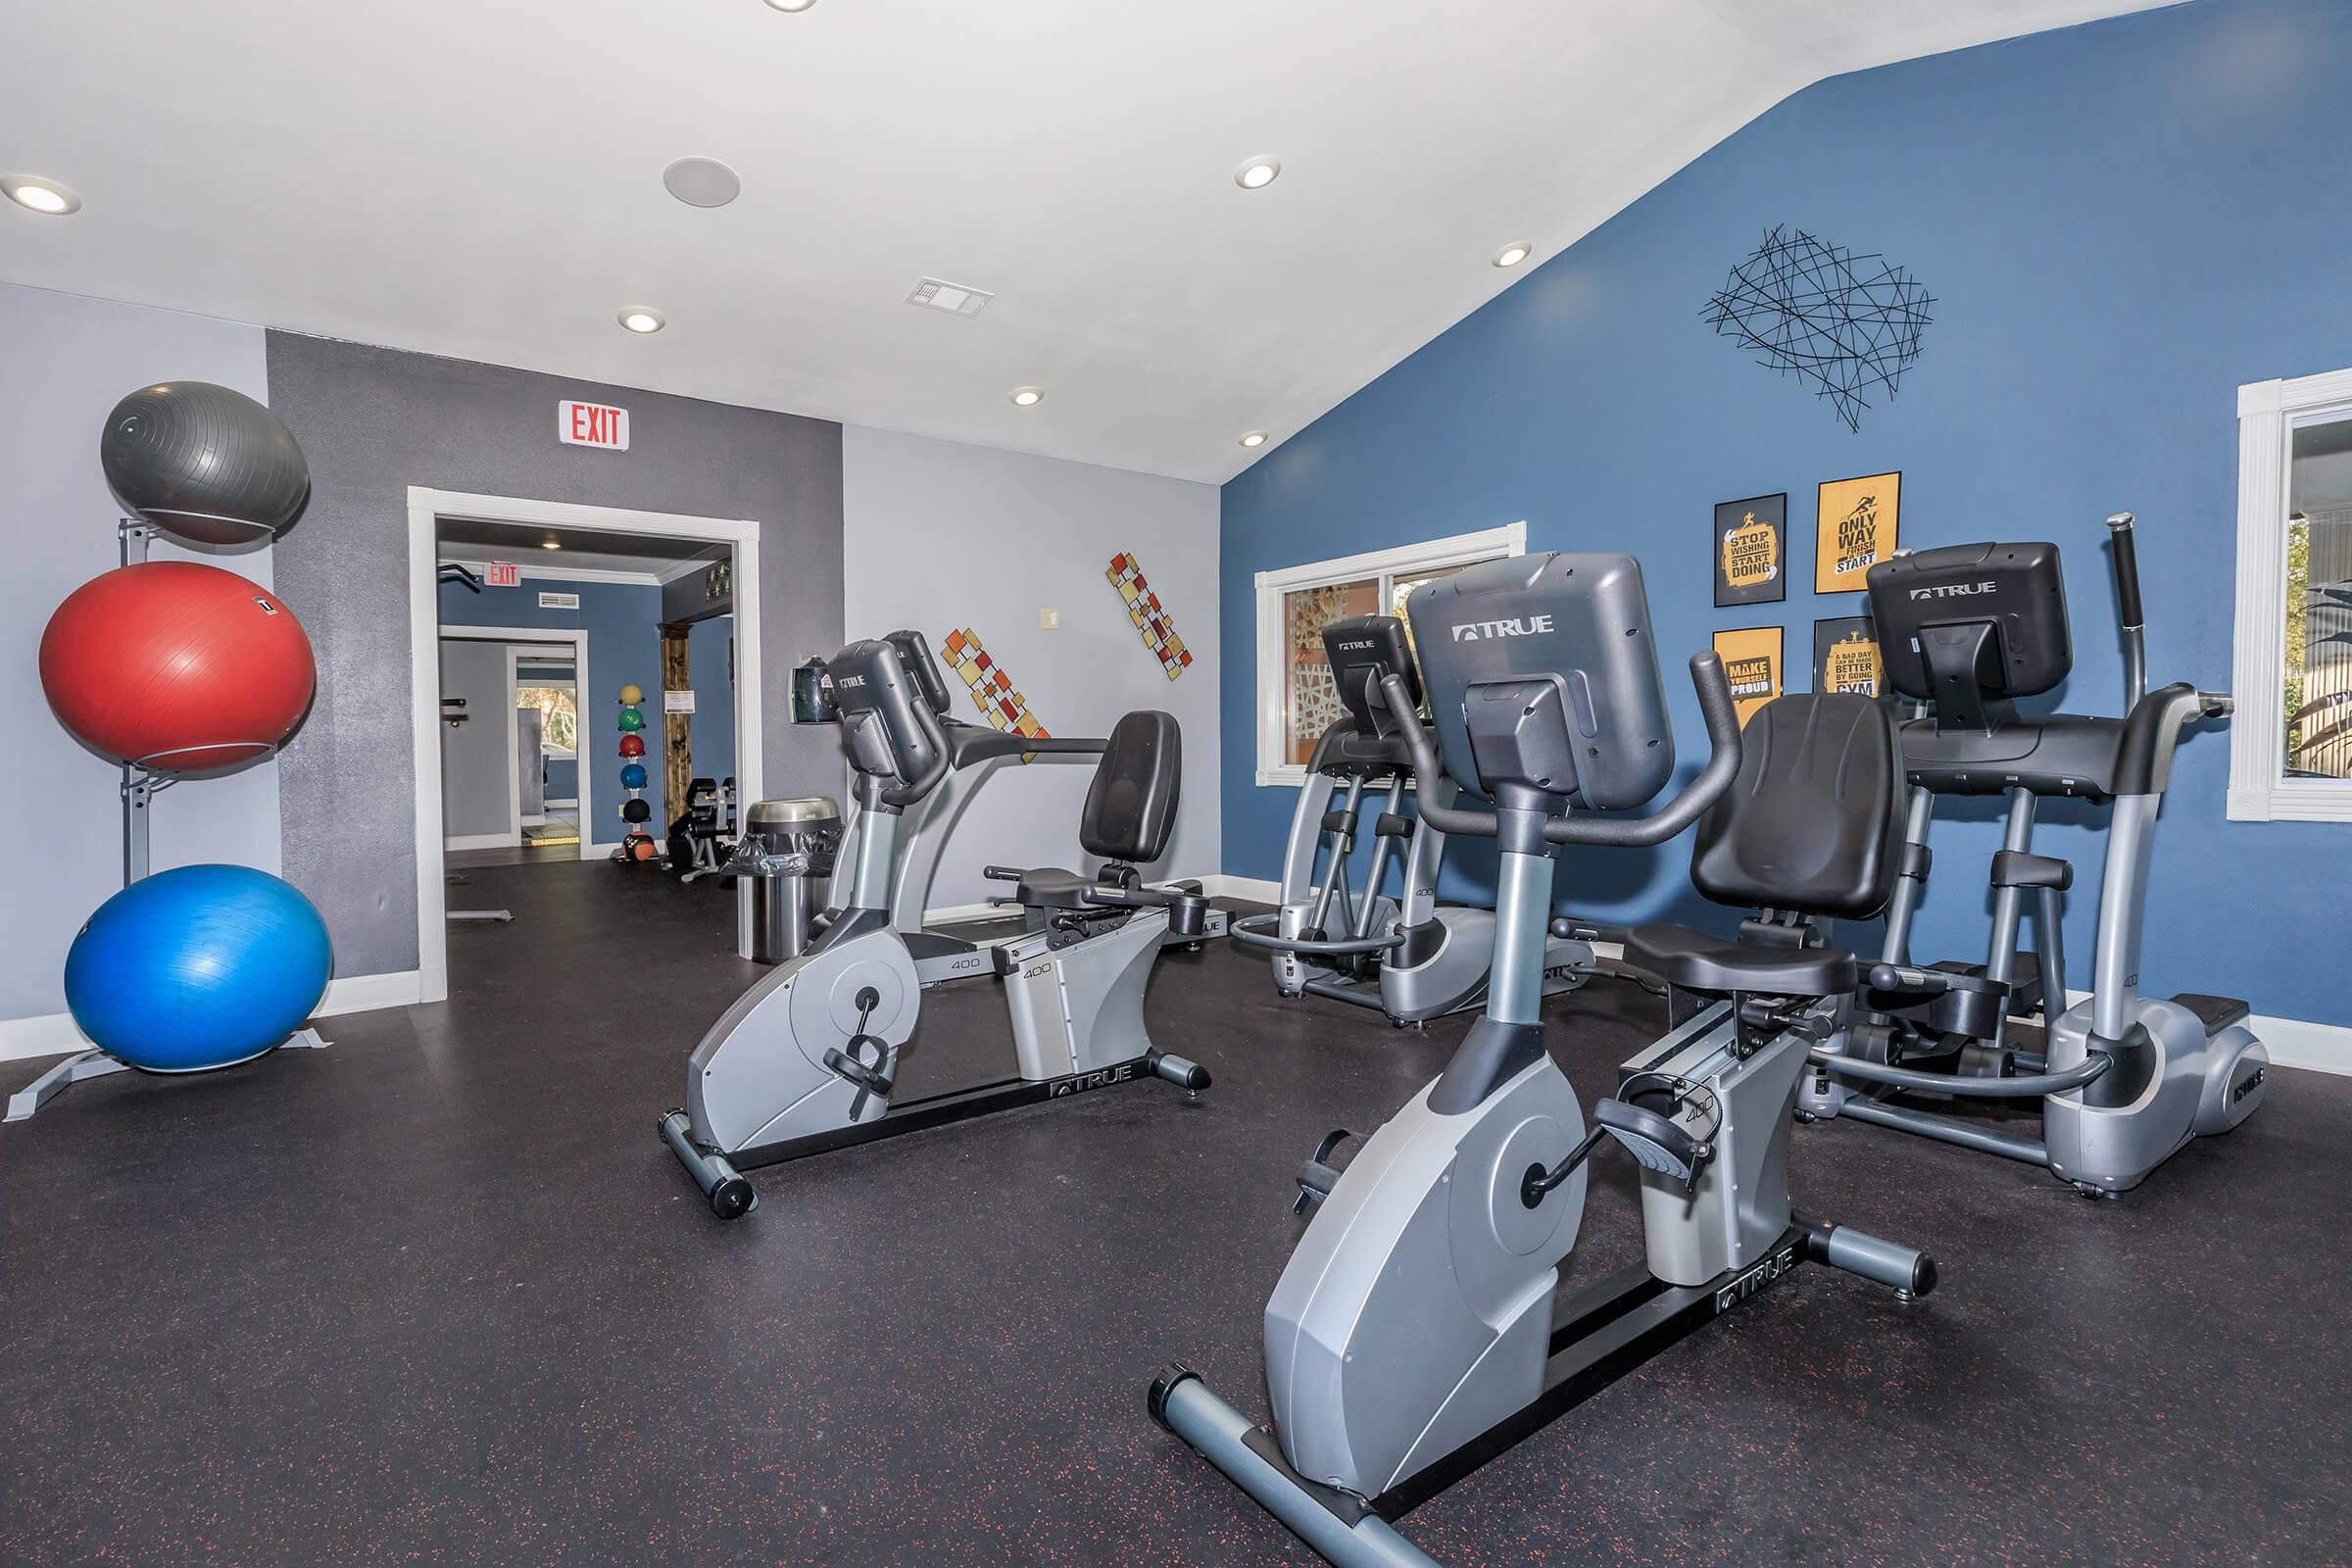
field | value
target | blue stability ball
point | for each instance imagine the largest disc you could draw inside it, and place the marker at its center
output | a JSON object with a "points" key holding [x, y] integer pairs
{"points": [[198, 967], [632, 777]]}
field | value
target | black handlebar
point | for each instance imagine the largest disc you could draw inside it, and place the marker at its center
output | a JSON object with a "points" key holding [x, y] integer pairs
{"points": [[2127, 569], [1722, 716], [1715, 705]]}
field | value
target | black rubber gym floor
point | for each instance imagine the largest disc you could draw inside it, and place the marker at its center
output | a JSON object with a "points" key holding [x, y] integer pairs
{"points": [[440, 1294]]}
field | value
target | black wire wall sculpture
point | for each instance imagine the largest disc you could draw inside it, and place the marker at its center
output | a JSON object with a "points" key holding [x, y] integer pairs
{"points": [[1817, 311]]}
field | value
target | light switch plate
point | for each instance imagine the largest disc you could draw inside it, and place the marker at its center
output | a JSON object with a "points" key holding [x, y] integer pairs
{"points": [[1048, 621]]}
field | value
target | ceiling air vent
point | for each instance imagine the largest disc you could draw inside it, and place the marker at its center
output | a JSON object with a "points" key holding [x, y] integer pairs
{"points": [[954, 298]]}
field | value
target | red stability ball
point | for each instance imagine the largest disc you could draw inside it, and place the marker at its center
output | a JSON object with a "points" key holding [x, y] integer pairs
{"points": [[183, 666]]}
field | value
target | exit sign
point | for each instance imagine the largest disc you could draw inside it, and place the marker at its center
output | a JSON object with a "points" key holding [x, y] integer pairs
{"points": [[592, 424], [502, 574]]}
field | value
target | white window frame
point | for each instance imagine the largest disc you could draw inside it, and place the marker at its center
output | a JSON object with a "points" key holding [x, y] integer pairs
{"points": [[1404, 561], [2268, 416]]}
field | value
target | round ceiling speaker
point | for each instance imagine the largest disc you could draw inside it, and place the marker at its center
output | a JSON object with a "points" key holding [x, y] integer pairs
{"points": [[702, 182]]}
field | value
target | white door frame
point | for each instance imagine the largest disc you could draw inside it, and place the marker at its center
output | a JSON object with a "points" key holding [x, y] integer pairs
{"points": [[577, 642], [426, 508], [516, 656]]}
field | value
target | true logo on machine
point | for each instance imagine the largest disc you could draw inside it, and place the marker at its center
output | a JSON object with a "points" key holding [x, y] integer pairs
{"points": [[1353, 647], [1756, 1279], [1484, 631], [850, 680], [1954, 590], [1080, 1083]]}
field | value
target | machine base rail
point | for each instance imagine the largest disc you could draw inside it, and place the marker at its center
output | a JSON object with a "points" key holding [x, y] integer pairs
{"points": [[1946, 1130], [1598, 1335], [719, 1173]]}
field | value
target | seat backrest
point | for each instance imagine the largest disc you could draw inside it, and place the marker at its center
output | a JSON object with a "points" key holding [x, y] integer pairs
{"points": [[1814, 821], [1131, 806]]}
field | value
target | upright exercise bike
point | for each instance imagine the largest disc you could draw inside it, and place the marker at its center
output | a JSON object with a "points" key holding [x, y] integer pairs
{"points": [[1417, 1330], [1404, 954], [807, 1060]]}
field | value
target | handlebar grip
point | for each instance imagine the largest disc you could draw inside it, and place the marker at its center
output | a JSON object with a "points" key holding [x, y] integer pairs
{"points": [[916, 787], [1721, 715], [1428, 769], [2126, 571], [1902, 977]]}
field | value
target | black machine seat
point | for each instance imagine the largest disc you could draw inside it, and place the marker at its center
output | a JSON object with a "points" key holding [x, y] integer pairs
{"points": [[1693, 960], [1131, 806], [1813, 822], [1130, 813]]}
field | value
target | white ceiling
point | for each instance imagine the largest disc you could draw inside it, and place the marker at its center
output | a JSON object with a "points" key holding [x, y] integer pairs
{"points": [[482, 179]]}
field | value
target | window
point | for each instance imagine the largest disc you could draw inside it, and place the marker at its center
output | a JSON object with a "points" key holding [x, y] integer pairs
{"points": [[2291, 741], [558, 717], [1296, 698]]}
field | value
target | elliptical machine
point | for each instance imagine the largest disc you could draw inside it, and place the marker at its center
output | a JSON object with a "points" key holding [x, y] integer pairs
{"points": [[2125, 1080], [806, 1060], [976, 753], [1404, 954], [1417, 1330]]}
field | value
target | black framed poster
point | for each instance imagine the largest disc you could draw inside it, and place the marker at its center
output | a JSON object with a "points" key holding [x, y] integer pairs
{"points": [[1845, 656], [1751, 551]]}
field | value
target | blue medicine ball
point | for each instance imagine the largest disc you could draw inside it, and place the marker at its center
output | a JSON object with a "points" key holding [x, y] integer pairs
{"points": [[632, 777], [198, 967]]}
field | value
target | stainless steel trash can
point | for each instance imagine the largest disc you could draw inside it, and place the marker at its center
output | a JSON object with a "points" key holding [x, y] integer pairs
{"points": [[786, 852]]}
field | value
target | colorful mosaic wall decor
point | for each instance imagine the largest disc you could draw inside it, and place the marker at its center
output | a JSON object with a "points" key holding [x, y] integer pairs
{"points": [[990, 688], [1145, 610]]}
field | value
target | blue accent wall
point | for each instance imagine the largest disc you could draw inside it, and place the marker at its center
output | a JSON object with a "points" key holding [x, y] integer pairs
{"points": [[624, 647], [707, 647], [2121, 224]]}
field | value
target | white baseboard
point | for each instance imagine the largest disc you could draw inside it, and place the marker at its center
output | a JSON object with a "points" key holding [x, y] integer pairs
{"points": [[555, 804], [2317, 1046], [54, 1034], [365, 993], [950, 914], [50, 1035], [479, 841], [1254, 889]]}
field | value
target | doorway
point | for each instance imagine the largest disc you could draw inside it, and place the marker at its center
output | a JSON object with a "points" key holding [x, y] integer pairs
{"points": [[516, 589]]}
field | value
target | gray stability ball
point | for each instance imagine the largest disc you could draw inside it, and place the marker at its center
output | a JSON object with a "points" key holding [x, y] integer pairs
{"points": [[204, 464]]}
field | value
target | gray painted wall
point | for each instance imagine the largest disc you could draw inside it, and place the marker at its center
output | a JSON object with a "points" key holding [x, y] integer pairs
{"points": [[473, 754], [375, 421], [942, 536], [65, 361]]}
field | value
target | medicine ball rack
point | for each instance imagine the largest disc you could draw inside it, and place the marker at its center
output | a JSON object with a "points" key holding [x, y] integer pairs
{"points": [[142, 782]]}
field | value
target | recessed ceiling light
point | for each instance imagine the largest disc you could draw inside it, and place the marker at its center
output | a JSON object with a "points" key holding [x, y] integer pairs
{"points": [[1513, 253], [44, 196], [1256, 438], [702, 182], [637, 318], [1028, 396], [550, 544], [1257, 174], [792, 5]]}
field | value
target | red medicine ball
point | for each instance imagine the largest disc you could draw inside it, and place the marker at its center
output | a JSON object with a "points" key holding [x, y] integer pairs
{"points": [[187, 666]]}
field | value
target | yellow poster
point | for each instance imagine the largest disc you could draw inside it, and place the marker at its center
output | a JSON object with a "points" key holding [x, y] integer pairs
{"points": [[1751, 662], [1855, 530], [1845, 657]]}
